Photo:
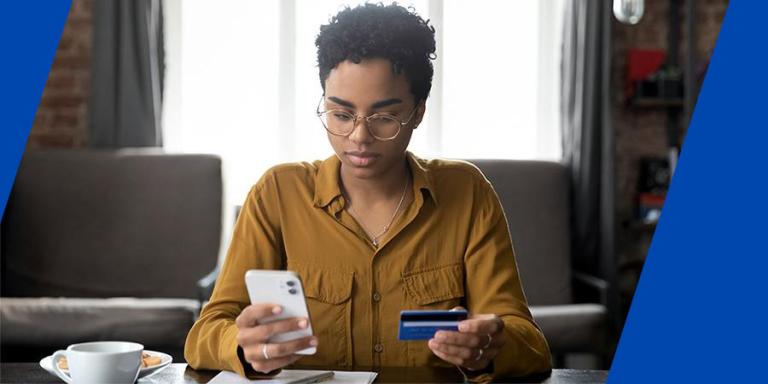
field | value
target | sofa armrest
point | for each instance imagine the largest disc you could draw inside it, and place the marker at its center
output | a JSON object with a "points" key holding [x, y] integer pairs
{"points": [[591, 288], [206, 284]]}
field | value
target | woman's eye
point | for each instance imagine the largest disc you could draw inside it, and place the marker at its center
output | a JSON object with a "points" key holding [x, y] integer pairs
{"points": [[382, 119], [342, 116]]}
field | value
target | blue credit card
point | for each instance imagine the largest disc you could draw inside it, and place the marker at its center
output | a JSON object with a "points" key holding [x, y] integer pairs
{"points": [[422, 325]]}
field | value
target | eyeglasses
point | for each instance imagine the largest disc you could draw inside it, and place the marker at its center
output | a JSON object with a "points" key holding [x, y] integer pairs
{"points": [[339, 122]]}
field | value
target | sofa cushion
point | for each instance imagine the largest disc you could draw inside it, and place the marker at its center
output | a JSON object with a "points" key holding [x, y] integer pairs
{"points": [[572, 328], [62, 321], [121, 223]]}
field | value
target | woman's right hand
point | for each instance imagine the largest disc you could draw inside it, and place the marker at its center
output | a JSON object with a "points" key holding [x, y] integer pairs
{"points": [[253, 337]]}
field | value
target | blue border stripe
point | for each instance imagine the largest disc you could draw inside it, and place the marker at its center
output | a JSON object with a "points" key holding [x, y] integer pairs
{"points": [[29, 35], [699, 314]]}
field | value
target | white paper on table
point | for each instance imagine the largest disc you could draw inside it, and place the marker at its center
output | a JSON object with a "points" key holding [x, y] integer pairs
{"points": [[288, 376], [352, 377]]}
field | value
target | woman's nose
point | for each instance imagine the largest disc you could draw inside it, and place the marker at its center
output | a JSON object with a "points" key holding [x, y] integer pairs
{"points": [[360, 132]]}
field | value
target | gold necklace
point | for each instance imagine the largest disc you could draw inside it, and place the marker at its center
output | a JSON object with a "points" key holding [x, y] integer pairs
{"points": [[375, 238]]}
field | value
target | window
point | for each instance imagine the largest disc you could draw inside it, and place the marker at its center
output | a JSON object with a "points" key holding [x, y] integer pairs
{"points": [[242, 82]]}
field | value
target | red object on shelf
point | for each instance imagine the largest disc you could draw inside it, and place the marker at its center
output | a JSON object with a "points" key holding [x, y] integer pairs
{"points": [[641, 63], [649, 206], [654, 199]]}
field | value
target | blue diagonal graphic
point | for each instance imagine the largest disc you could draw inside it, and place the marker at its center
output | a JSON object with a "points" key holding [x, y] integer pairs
{"points": [[29, 35], [699, 314]]}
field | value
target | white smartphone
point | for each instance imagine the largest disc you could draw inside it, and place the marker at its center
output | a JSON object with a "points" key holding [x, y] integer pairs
{"points": [[283, 288]]}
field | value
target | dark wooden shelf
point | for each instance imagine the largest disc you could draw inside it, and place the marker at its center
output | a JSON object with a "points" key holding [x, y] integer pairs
{"points": [[643, 226], [654, 102]]}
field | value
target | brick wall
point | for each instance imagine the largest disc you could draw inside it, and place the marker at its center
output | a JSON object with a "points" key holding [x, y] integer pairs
{"points": [[62, 116], [641, 132]]}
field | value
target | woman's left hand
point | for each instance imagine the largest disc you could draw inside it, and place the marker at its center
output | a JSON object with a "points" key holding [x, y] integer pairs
{"points": [[478, 341]]}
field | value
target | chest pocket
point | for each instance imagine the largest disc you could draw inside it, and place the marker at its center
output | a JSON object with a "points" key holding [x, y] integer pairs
{"points": [[435, 288], [328, 295]]}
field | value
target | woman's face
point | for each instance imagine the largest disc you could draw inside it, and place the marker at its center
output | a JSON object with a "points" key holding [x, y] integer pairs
{"points": [[363, 89]]}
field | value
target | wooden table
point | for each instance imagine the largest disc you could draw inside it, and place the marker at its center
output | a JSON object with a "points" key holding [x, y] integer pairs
{"points": [[180, 373]]}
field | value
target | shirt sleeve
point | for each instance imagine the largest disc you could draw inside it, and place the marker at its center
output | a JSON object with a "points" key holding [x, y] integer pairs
{"points": [[256, 244], [493, 287]]}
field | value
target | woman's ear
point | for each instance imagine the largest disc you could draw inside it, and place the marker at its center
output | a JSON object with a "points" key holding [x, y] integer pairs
{"points": [[420, 110]]}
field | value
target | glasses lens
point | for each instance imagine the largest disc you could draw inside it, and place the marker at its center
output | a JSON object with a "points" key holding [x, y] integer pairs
{"points": [[338, 122], [383, 127]]}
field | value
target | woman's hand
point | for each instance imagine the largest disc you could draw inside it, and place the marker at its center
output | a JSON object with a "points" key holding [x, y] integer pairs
{"points": [[253, 337], [478, 341]]}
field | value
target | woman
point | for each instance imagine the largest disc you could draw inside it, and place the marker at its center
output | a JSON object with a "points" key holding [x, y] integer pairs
{"points": [[373, 230]]}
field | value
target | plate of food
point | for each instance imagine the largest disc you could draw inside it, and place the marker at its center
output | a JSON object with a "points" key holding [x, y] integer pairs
{"points": [[151, 362]]}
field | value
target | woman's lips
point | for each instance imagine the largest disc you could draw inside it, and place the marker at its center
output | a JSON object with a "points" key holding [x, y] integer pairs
{"points": [[361, 159]]}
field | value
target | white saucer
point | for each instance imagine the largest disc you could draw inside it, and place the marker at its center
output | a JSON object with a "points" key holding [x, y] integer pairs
{"points": [[166, 360]]}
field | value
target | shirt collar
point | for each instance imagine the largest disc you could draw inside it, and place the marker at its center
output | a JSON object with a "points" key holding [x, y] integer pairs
{"points": [[327, 182], [422, 178]]}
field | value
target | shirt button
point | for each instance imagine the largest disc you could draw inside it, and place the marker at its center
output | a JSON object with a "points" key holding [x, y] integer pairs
{"points": [[376, 297], [378, 348]]}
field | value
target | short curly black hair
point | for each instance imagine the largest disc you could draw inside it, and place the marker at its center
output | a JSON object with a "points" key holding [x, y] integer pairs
{"points": [[380, 31]]}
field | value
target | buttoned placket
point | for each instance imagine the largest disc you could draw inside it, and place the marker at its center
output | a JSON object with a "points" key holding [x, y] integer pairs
{"points": [[408, 216], [343, 218]]}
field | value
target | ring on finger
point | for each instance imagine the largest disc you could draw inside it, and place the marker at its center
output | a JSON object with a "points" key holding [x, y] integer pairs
{"points": [[264, 351], [490, 339], [479, 354]]}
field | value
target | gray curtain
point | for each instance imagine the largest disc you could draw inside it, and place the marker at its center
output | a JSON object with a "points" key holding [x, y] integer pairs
{"points": [[127, 74], [588, 141]]}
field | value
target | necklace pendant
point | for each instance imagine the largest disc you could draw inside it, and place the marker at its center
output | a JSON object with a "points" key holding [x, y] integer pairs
{"points": [[375, 243]]}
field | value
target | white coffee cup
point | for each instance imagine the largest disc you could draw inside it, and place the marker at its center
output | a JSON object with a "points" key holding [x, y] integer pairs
{"points": [[100, 362]]}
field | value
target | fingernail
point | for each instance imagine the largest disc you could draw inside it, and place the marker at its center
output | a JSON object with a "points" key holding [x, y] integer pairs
{"points": [[313, 342], [463, 327], [438, 335], [303, 323], [277, 310]]}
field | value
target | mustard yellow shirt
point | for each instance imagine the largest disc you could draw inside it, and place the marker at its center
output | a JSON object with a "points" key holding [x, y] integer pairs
{"points": [[450, 247]]}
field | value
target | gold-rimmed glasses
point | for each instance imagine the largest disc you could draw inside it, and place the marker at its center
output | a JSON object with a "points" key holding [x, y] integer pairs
{"points": [[382, 126]]}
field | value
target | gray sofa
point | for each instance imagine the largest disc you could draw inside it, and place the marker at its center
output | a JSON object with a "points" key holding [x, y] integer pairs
{"points": [[106, 245], [570, 307]]}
